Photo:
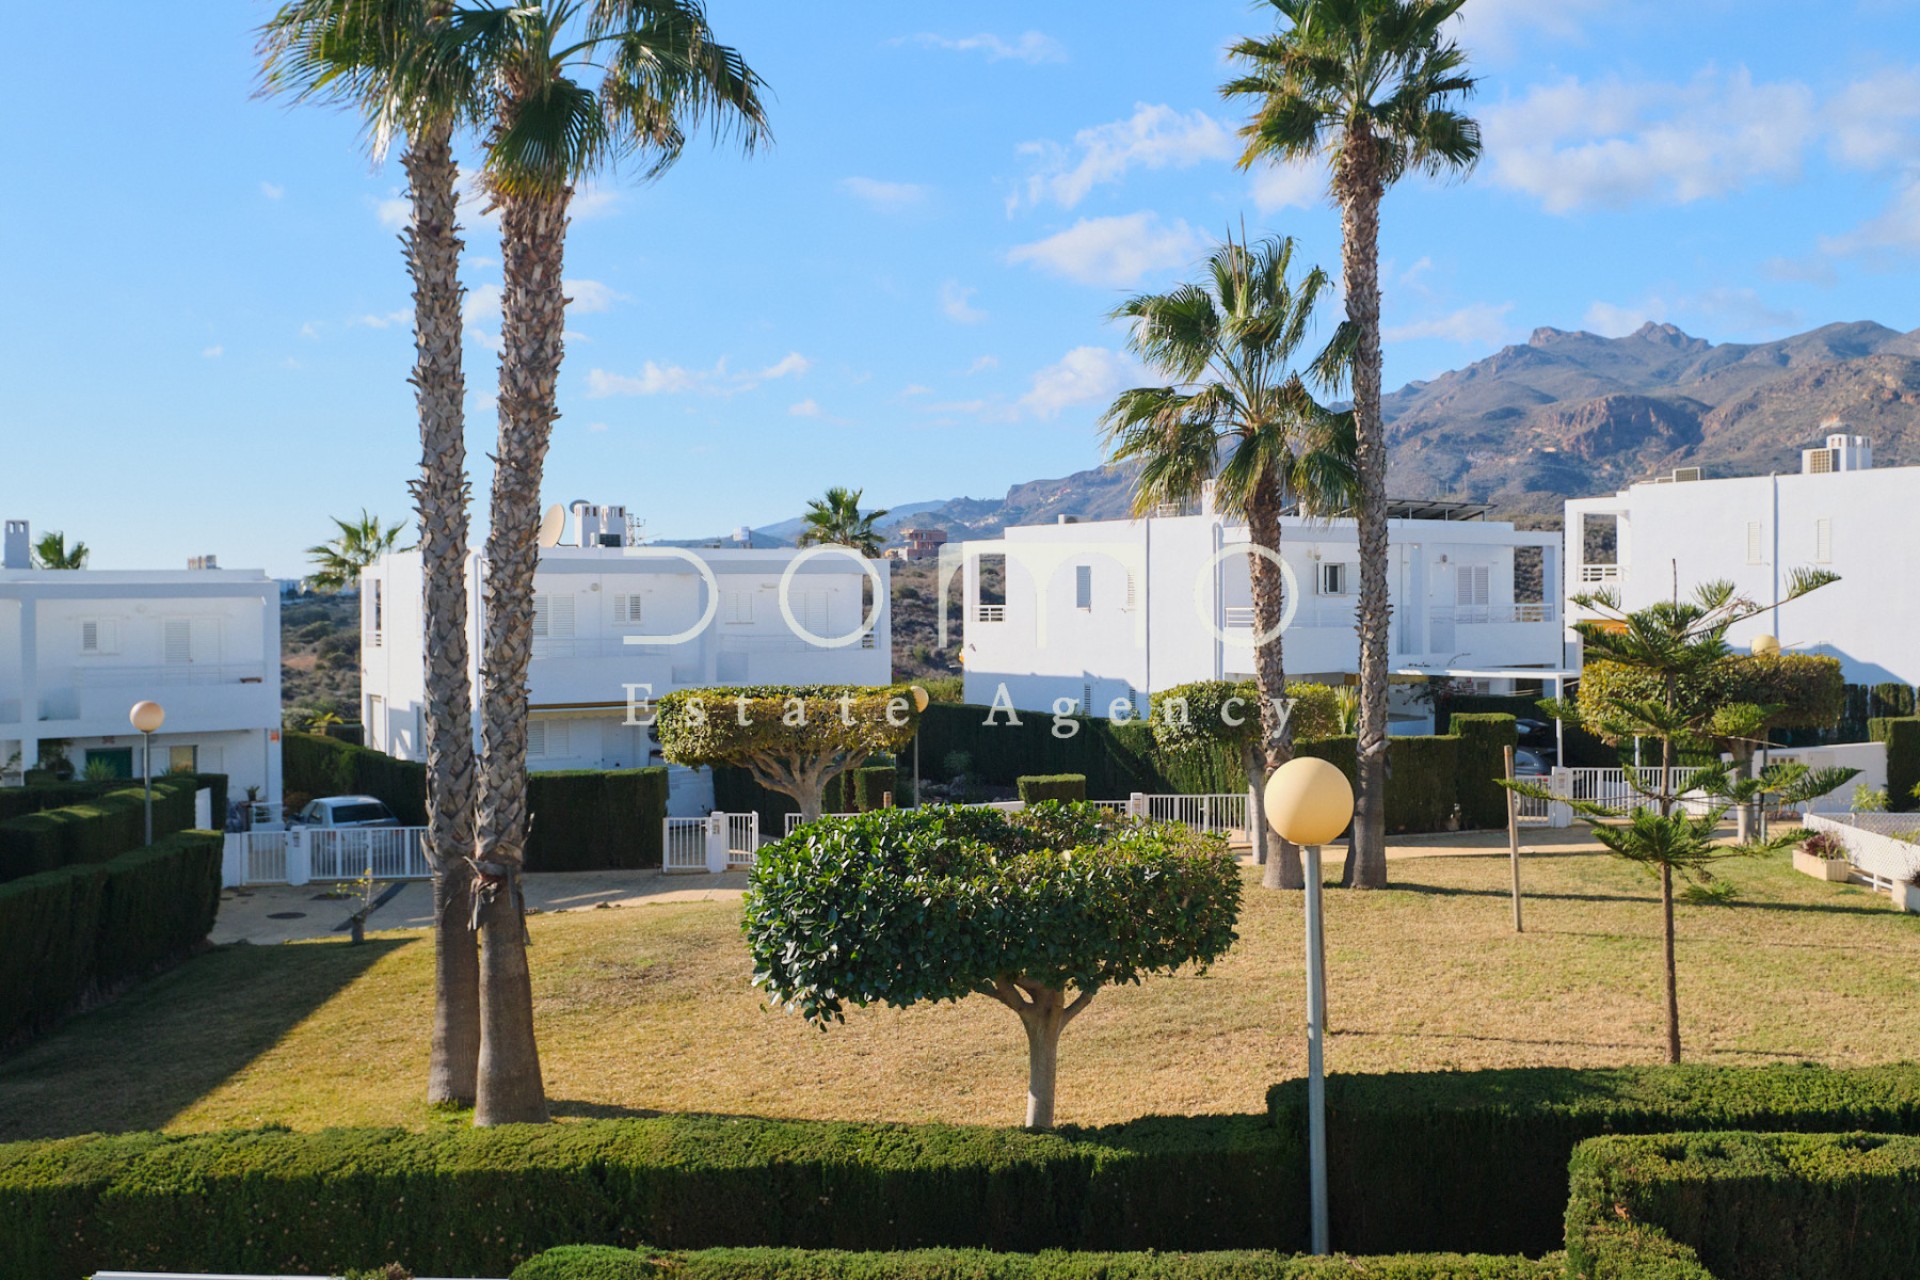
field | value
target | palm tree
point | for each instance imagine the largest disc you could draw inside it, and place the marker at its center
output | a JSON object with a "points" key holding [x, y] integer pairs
{"points": [[836, 521], [1368, 85], [52, 552], [577, 86], [1228, 345], [338, 562], [376, 56]]}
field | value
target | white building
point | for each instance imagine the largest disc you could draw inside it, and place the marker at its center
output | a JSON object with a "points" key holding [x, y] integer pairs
{"points": [[616, 623], [1837, 513], [79, 647], [1105, 614]]}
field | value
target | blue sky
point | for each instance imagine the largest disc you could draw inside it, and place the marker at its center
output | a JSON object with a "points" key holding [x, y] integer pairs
{"points": [[206, 324]]}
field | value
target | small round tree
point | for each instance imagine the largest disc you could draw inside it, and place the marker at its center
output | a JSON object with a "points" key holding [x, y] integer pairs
{"points": [[794, 739], [1226, 713], [1038, 909]]}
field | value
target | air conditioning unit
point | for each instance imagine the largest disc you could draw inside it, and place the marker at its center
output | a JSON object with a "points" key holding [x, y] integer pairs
{"points": [[1682, 475], [1820, 462]]}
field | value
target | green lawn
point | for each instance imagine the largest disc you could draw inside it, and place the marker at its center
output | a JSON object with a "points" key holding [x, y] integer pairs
{"points": [[650, 1008]]}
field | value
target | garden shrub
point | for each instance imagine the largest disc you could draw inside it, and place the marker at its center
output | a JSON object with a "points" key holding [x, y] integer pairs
{"points": [[1759, 1206], [1422, 777], [872, 784], [316, 765], [464, 1201], [967, 1264], [99, 827], [1902, 737], [70, 933], [596, 820], [1482, 760], [1478, 1159], [1039, 788], [1628, 1251]]}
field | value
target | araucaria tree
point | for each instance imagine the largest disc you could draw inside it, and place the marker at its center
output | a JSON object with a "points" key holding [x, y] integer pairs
{"points": [[378, 57], [1226, 713], [1039, 910], [836, 520], [1237, 414], [1664, 661], [794, 739], [1368, 87]]}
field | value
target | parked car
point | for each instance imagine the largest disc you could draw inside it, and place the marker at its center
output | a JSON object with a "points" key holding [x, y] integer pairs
{"points": [[346, 811], [1535, 731], [1528, 763]]}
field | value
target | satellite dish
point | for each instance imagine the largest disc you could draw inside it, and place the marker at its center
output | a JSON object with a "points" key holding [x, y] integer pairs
{"points": [[553, 525]]}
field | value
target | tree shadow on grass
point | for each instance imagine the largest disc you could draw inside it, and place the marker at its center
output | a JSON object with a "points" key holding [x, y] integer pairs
{"points": [[139, 1061], [1872, 908]]}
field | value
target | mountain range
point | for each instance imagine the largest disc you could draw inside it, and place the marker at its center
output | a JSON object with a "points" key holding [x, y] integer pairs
{"points": [[1566, 415]]}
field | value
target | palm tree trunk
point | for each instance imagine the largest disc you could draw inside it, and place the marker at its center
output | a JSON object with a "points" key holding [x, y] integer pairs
{"points": [[533, 228], [1270, 670], [1358, 186], [1253, 763], [433, 248]]}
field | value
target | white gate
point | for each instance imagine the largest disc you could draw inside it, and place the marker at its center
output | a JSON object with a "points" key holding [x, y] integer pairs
{"points": [[714, 843], [303, 855], [686, 845], [743, 838], [1223, 813]]}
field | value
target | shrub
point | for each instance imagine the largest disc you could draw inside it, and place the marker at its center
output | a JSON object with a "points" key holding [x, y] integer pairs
{"points": [[464, 1201], [1903, 764], [1039, 788], [1450, 1160], [1759, 1206], [594, 820], [322, 766], [1808, 690], [1482, 759], [872, 784], [1422, 774], [99, 827], [69, 933], [1825, 846], [588, 1262], [1629, 1251]]}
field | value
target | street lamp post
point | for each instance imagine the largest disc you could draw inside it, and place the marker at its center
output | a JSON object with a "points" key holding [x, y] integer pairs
{"points": [[147, 717], [1310, 802], [920, 700]]}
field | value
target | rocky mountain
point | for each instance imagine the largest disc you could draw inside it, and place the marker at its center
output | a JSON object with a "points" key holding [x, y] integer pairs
{"points": [[1570, 415]]}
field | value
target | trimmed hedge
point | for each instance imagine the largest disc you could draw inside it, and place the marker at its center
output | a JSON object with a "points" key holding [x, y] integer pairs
{"points": [[872, 784], [1422, 777], [599, 1262], [316, 765], [1453, 1160], [1759, 1206], [1902, 737], [1482, 761], [66, 935], [463, 1201], [1037, 789], [96, 829], [1629, 1251]]}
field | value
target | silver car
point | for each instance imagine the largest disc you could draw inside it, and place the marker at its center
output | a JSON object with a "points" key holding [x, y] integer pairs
{"points": [[346, 811]]}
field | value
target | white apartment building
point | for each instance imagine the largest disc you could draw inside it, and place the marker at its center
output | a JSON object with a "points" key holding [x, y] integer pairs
{"points": [[617, 622], [1105, 614], [1837, 513], [79, 647]]}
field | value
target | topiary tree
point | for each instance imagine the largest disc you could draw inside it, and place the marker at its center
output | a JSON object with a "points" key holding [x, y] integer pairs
{"points": [[1038, 909], [794, 739], [1226, 713]]}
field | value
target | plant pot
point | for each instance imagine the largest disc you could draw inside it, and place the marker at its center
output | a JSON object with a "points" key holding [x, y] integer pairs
{"points": [[1906, 896], [1832, 870]]}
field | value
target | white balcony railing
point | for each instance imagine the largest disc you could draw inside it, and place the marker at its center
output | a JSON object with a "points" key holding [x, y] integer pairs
{"points": [[173, 673], [1480, 615]]}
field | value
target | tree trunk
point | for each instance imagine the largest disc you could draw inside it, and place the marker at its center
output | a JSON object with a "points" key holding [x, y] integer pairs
{"points": [[1270, 670], [1359, 188], [1044, 1020], [1253, 764], [1673, 984], [533, 228], [432, 246]]}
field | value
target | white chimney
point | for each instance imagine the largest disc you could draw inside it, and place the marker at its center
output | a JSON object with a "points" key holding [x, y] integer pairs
{"points": [[19, 550], [1843, 452]]}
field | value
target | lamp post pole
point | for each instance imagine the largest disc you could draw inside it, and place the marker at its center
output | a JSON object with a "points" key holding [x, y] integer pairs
{"points": [[1316, 1051], [920, 700], [147, 717]]}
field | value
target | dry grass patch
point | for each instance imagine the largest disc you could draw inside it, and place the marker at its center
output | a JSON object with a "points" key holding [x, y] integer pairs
{"points": [[650, 1008]]}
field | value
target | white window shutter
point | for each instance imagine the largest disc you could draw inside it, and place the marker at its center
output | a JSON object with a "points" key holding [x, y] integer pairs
{"points": [[176, 641], [536, 737], [1756, 542], [90, 637], [1823, 540]]}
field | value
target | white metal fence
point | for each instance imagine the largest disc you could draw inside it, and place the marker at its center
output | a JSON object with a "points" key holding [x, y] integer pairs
{"points": [[305, 855], [1225, 814], [715, 843]]}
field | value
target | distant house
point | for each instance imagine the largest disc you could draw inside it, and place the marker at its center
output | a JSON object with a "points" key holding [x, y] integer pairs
{"points": [[78, 647], [611, 615], [1105, 614], [919, 544], [1839, 513]]}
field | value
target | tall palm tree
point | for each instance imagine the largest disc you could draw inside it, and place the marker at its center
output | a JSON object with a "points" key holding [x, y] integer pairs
{"points": [[836, 521], [1240, 415], [51, 551], [377, 57], [576, 87], [1368, 86], [338, 561]]}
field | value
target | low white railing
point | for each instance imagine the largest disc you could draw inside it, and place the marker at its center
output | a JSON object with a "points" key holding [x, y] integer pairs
{"points": [[686, 845], [172, 673], [305, 855], [1481, 615], [1224, 813]]}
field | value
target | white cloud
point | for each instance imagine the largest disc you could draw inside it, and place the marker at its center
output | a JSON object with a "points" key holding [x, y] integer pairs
{"points": [[1031, 47], [1153, 137], [386, 320], [808, 408], [310, 330], [886, 197], [1897, 229], [272, 191], [1294, 185], [916, 389], [1482, 324], [585, 297], [1085, 375], [594, 202], [1114, 252], [480, 316], [393, 212], [982, 364], [1810, 270], [957, 302], [212, 353], [596, 427], [1497, 28], [1726, 311], [1614, 143], [669, 379], [1875, 123]]}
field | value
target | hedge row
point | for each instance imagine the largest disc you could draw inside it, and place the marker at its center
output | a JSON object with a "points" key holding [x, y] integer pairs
{"points": [[462, 1201], [1758, 1206], [1452, 1160], [602, 1262], [582, 820], [95, 829], [1482, 760], [1423, 777], [1902, 736], [67, 934], [1038, 789]]}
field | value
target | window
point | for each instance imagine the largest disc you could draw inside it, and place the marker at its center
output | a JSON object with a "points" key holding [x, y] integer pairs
{"points": [[737, 608], [1823, 541], [176, 641], [1083, 586], [626, 611], [379, 612], [178, 760], [100, 635], [1756, 542], [1132, 590], [1472, 585], [549, 738], [1332, 579], [1086, 697], [118, 760], [552, 617], [809, 610]]}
